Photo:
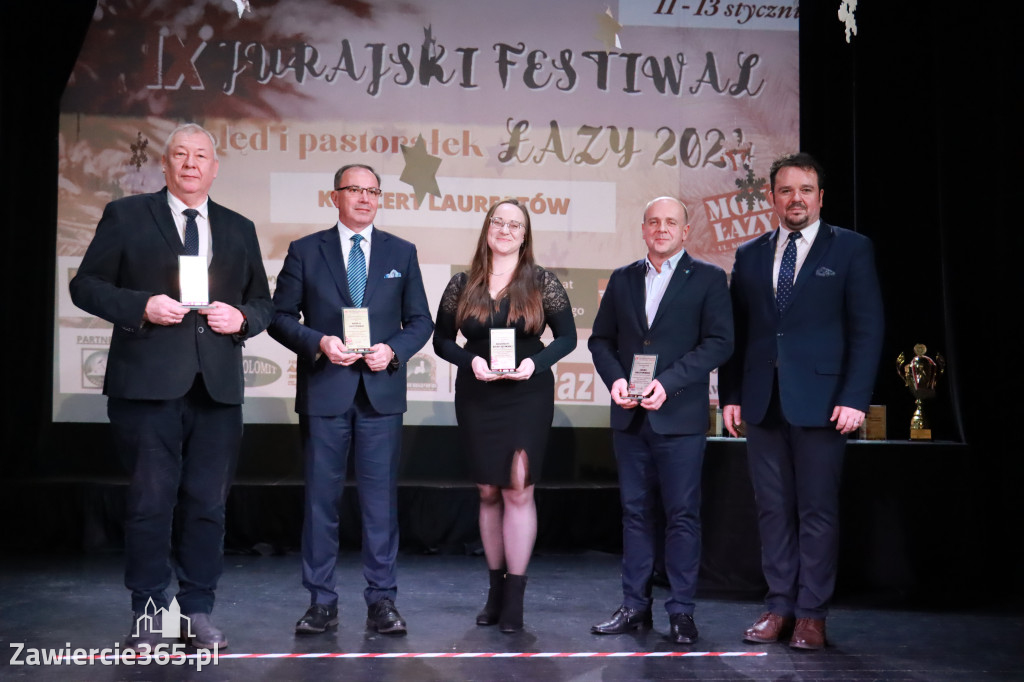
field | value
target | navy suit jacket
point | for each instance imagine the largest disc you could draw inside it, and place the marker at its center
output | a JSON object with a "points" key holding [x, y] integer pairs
{"points": [[313, 284], [827, 343], [133, 256], [691, 334]]}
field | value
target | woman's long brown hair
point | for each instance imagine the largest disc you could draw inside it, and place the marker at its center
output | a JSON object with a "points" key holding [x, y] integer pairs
{"points": [[523, 291]]}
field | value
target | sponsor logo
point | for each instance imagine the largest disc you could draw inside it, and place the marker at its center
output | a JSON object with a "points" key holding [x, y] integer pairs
{"points": [[94, 367], [259, 371], [574, 382], [421, 373]]}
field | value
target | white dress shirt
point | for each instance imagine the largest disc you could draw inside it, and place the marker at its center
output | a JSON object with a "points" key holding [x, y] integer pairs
{"points": [[202, 222], [657, 282], [803, 247], [346, 243]]}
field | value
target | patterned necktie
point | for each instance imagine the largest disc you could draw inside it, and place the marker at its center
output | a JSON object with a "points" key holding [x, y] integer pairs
{"points": [[191, 232], [787, 273], [356, 271]]}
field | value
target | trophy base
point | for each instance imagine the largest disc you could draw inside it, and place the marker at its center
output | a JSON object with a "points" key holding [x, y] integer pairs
{"points": [[920, 434]]}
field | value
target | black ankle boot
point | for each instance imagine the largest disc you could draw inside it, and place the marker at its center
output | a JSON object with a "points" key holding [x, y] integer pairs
{"points": [[492, 609], [512, 603]]}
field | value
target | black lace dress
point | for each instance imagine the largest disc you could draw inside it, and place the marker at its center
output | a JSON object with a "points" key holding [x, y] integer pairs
{"points": [[496, 418]]}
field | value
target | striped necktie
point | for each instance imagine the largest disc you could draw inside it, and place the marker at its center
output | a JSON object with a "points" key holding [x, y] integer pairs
{"points": [[356, 271]]}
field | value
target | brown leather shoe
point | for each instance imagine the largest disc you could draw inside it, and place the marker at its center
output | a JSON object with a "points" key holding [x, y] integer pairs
{"points": [[809, 633], [770, 627]]}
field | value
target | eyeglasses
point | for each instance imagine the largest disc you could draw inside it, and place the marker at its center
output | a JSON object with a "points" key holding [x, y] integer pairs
{"points": [[356, 189], [513, 225]]}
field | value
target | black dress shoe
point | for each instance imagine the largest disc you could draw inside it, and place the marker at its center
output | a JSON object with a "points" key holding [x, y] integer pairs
{"points": [[623, 620], [317, 619], [385, 618], [682, 629], [204, 634]]}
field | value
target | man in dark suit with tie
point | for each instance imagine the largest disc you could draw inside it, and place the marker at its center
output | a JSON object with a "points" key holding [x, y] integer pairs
{"points": [[347, 399], [809, 329], [677, 308], [174, 375]]}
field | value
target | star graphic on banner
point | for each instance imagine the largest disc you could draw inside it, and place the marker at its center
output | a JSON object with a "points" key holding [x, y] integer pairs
{"points": [[608, 30], [420, 170]]}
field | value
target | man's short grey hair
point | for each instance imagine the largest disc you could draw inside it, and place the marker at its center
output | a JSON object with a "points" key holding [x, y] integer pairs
{"points": [[190, 129], [686, 211]]}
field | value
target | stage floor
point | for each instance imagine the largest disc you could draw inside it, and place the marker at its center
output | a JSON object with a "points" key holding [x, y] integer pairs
{"points": [[79, 602]]}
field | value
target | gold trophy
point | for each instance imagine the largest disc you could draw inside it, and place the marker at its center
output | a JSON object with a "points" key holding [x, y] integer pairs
{"points": [[920, 375]]}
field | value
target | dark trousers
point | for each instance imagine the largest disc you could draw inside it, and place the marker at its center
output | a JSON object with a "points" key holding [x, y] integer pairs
{"points": [[796, 471], [180, 456], [649, 464], [376, 441]]}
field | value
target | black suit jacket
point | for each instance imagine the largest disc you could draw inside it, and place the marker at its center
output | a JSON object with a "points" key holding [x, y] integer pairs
{"points": [[312, 288], [691, 334], [133, 256]]}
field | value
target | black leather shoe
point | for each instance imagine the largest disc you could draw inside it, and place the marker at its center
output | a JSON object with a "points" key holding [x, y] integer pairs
{"points": [[317, 619], [146, 631], [682, 629], [203, 633], [385, 618], [623, 620]]}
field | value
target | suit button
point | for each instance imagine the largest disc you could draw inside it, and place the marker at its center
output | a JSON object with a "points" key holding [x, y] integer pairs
{"points": [[201, 330], [647, 342], [779, 334]]}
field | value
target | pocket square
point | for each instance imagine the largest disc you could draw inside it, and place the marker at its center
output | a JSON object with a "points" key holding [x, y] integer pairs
{"points": [[824, 272], [393, 274]]}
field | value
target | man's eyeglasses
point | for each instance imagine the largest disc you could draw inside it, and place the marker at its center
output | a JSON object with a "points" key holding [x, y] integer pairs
{"points": [[512, 225], [356, 189]]}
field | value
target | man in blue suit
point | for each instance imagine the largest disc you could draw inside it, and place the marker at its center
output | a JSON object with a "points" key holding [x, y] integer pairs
{"points": [[809, 329], [174, 375], [676, 307], [348, 399]]}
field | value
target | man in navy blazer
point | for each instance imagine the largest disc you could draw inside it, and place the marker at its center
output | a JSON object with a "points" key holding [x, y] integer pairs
{"points": [[346, 398], [677, 308], [809, 327], [174, 375]]}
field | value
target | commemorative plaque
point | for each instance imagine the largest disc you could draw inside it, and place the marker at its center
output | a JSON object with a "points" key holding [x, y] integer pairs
{"points": [[194, 283], [503, 350], [641, 376], [356, 324]]}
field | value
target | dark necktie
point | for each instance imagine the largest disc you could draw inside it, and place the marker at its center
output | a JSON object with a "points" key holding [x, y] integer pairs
{"points": [[787, 273], [191, 232], [356, 271]]}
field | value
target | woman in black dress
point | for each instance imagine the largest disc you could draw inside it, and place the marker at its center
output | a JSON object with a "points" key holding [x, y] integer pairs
{"points": [[504, 418]]}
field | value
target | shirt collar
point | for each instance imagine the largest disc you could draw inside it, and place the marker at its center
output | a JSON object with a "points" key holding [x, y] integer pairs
{"points": [[177, 205], [808, 233], [346, 233], [671, 263]]}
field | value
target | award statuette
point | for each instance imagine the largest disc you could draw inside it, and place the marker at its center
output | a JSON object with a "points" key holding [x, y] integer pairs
{"points": [[641, 375], [920, 375], [503, 350], [192, 278], [356, 326]]}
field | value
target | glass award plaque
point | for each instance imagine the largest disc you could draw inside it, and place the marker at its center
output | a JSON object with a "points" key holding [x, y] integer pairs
{"points": [[641, 375], [356, 322], [193, 281], [503, 350]]}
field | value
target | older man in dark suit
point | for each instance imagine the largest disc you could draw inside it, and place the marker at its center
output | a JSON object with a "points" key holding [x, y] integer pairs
{"points": [[809, 329], [677, 308], [174, 374], [346, 398]]}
